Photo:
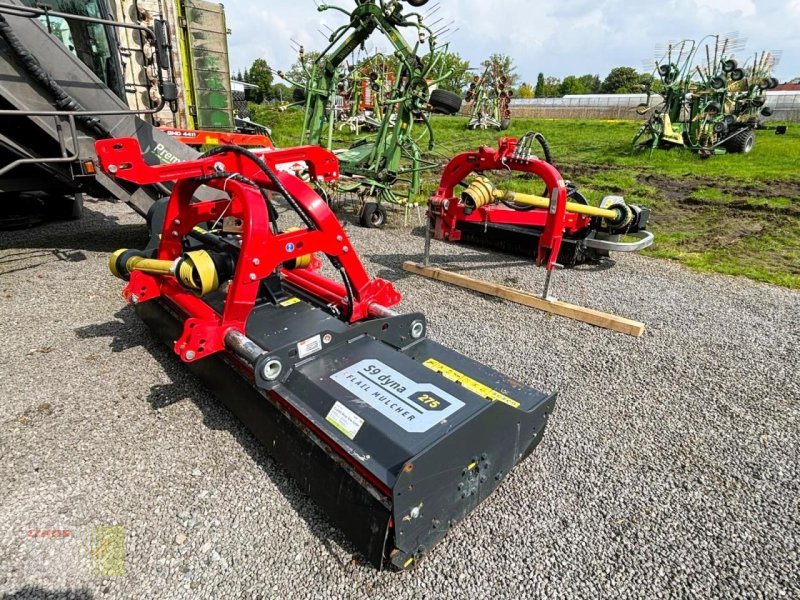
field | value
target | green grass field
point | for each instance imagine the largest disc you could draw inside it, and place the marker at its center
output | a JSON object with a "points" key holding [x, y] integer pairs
{"points": [[734, 214]]}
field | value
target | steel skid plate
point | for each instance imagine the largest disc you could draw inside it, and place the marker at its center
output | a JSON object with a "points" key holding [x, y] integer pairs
{"points": [[396, 437]]}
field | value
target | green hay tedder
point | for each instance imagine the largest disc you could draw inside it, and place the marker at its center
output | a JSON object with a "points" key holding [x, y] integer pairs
{"points": [[386, 165]]}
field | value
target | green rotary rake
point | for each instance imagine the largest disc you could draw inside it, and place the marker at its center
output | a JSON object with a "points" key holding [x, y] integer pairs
{"points": [[711, 105]]}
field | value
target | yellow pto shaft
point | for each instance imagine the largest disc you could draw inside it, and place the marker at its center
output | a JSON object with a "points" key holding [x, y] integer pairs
{"points": [[195, 271], [541, 202], [482, 192], [149, 265]]}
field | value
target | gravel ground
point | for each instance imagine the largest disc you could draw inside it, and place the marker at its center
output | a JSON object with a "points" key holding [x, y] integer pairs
{"points": [[670, 467]]}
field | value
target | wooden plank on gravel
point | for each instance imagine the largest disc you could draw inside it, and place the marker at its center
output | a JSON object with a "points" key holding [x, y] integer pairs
{"points": [[564, 309]]}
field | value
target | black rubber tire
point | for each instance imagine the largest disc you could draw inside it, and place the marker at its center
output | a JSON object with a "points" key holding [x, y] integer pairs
{"points": [[156, 215], [729, 65], [741, 143], [64, 208], [737, 74], [759, 101], [373, 216], [417, 3], [77, 207], [713, 108], [774, 82], [767, 111], [505, 124], [298, 95], [444, 102], [717, 83]]}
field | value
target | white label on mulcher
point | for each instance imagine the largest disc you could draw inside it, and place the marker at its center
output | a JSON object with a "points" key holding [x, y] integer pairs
{"points": [[345, 420], [309, 346], [416, 407]]}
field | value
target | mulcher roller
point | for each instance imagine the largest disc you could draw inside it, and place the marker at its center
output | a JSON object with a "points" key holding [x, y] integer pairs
{"points": [[396, 437]]}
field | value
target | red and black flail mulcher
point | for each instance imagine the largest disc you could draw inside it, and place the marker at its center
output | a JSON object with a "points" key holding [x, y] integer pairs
{"points": [[396, 437]]}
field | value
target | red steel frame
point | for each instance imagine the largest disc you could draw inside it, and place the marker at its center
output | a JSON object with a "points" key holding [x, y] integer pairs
{"points": [[262, 252], [199, 137], [369, 96], [448, 211]]}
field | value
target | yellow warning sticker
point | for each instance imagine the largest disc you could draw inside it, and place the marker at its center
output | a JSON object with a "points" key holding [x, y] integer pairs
{"points": [[289, 302], [476, 387]]}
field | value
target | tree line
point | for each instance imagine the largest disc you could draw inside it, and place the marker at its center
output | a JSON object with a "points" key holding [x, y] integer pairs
{"points": [[620, 80]]}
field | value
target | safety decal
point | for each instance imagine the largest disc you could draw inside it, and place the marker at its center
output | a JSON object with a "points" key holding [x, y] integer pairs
{"points": [[289, 302], [476, 387], [309, 346], [415, 407]]}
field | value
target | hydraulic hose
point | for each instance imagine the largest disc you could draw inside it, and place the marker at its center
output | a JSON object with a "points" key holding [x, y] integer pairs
{"points": [[63, 101], [294, 204], [273, 214], [348, 286], [271, 175], [548, 157]]}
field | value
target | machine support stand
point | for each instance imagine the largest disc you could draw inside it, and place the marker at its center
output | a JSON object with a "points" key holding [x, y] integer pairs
{"points": [[426, 257], [545, 294]]}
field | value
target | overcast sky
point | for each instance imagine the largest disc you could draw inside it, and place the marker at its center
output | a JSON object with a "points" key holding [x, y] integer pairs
{"points": [[557, 37]]}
